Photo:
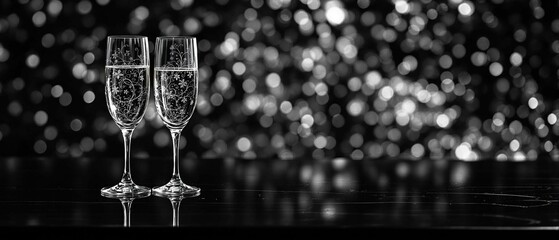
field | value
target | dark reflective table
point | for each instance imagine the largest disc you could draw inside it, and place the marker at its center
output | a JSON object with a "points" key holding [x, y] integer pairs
{"points": [[275, 197]]}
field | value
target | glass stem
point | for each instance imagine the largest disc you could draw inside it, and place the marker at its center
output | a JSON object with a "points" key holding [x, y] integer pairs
{"points": [[176, 136], [126, 176]]}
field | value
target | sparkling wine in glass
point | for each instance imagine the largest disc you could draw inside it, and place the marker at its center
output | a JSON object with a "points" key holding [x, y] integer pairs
{"points": [[127, 92], [176, 91]]}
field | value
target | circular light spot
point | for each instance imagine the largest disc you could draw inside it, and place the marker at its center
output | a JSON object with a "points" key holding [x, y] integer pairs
{"points": [[503, 85], [552, 118], [520, 35], [18, 84], [47, 40], [463, 151], [4, 53], [443, 120], [307, 121], [216, 99], [334, 13], [356, 140], [40, 146], [533, 103], [354, 84], [466, 8], [32, 61], [76, 125], [459, 51], [548, 146], [88, 58], [447, 85], [514, 145], [50, 133], [286, 107], [373, 79], [320, 142], [41, 118], [515, 59], [357, 154], [307, 64], [88, 96], [386, 93], [479, 58], [87, 144], [417, 150], [501, 157], [79, 70], [161, 138], [54, 7], [244, 144], [39, 19], [392, 150], [515, 127], [445, 61], [496, 69], [100, 144], [338, 121], [355, 107], [192, 26], [483, 43], [56, 91], [239, 68], [15, 108], [273, 80], [84, 7], [485, 143], [402, 7], [321, 89], [394, 134], [141, 13], [205, 134], [65, 99], [249, 85]]}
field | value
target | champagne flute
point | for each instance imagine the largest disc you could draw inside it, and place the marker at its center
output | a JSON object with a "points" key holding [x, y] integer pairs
{"points": [[127, 92], [176, 91]]}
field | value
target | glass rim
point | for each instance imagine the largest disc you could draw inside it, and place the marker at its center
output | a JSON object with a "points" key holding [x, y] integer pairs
{"points": [[177, 36], [126, 36]]}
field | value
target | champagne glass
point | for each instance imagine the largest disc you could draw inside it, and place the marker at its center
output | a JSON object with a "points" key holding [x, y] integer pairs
{"points": [[176, 91], [127, 92]]}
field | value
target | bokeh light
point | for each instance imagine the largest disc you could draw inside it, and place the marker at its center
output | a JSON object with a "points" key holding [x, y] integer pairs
{"points": [[456, 79]]}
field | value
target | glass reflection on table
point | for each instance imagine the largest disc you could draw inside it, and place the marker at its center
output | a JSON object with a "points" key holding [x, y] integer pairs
{"points": [[175, 203], [272, 192], [126, 207]]}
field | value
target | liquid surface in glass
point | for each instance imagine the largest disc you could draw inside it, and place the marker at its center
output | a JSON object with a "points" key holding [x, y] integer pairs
{"points": [[176, 91], [127, 93]]}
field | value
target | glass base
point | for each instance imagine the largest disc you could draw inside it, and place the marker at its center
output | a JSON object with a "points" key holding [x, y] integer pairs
{"points": [[126, 190], [176, 188]]}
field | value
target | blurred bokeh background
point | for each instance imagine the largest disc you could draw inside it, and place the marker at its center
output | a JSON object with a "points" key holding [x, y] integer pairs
{"points": [[290, 79]]}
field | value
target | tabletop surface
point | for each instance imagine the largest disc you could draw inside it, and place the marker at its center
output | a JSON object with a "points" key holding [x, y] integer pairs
{"points": [[339, 193]]}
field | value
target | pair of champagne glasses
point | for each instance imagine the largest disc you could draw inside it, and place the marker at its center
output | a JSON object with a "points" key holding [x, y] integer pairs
{"points": [[127, 91]]}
